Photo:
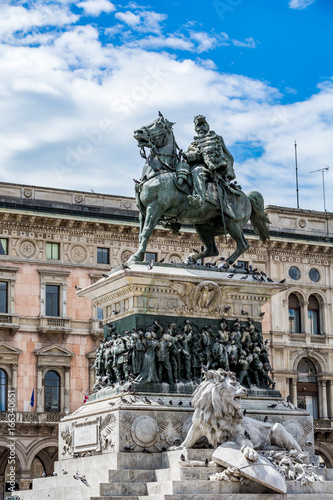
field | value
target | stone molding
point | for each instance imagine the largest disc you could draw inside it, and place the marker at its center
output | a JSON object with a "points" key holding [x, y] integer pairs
{"points": [[173, 291]]}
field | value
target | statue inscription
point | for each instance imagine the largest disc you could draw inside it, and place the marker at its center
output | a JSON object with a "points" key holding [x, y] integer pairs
{"points": [[86, 436]]}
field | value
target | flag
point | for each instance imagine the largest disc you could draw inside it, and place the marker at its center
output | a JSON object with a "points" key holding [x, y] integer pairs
{"points": [[86, 397], [32, 401]]}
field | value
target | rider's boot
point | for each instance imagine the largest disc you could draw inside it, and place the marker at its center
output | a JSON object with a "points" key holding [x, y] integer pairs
{"points": [[198, 197]]}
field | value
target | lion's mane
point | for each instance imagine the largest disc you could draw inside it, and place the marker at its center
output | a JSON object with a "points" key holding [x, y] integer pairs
{"points": [[214, 409]]}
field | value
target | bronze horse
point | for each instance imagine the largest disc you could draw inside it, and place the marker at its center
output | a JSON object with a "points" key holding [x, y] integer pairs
{"points": [[160, 197]]}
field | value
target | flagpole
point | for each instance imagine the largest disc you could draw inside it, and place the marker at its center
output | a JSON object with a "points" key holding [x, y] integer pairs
{"points": [[297, 194]]}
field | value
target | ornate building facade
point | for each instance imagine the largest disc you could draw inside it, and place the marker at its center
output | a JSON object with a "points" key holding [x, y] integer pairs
{"points": [[54, 241]]}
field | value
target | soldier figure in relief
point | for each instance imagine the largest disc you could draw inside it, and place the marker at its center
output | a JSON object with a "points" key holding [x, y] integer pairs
{"points": [[208, 156]]}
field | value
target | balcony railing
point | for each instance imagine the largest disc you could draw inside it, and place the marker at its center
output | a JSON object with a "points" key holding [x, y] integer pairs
{"points": [[96, 327], [318, 339], [27, 417], [297, 337], [323, 424], [54, 324], [9, 322]]}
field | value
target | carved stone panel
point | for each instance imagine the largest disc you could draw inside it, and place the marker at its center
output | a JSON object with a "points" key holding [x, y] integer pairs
{"points": [[86, 435]]}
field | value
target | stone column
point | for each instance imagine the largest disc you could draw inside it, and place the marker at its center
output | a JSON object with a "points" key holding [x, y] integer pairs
{"points": [[40, 402], [14, 383], [323, 400], [330, 387], [294, 391], [42, 297], [63, 313], [25, 480], [66, 392], [304, 316]]}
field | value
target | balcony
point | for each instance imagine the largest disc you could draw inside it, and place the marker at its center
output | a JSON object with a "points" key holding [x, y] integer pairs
{"points": [[54, 324], [27, 417], [9, 322], [96, 328], [298, 337], [318, 339], [322, 425]]}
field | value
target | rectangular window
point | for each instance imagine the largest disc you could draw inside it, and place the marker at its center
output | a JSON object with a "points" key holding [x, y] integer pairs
{"points": [[3, 246], [3, 297], [3, 390], [294, 321], [103, 256], [151, 256], [52, 300], [314, 322], [99, 313], [52, 251]]}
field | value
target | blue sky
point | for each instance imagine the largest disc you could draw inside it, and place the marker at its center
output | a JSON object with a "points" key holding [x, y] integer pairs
{"points": [[77, 78]]}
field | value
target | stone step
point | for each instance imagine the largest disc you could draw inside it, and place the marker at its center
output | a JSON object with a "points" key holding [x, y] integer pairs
{"points": [[224, 496], [308, 496], [55, 494], [108, 461], [295, 487], [205, 487], [112, 489], [117, 497], [186, 473], [172, 458], [85, 465], [234, 496], [131, 476]]}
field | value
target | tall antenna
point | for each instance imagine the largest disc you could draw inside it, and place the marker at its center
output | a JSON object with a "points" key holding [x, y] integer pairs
{"points": [[322, 170], [297, 195]]}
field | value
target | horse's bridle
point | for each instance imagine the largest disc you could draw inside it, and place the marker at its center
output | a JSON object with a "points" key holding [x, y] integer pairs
{"points": [[154, 149]]}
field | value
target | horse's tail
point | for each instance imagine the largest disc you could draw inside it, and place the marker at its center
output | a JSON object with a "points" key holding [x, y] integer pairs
{"points": [[259, 219]]}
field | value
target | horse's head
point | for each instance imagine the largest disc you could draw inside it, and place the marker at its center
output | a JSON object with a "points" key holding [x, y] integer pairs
{"points": [[155, 133]]}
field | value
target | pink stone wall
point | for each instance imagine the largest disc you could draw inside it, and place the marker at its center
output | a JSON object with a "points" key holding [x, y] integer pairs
{"points": [[27, 304]]}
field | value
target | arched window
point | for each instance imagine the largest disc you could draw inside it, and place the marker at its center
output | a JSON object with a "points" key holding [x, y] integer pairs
{"points": [[3, 390], [313, 315], [307, 387], [52, 392], [294, 314]]}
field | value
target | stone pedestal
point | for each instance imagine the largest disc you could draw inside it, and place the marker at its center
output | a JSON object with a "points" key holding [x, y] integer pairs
{"points": [[120, 438], [133, 298]]}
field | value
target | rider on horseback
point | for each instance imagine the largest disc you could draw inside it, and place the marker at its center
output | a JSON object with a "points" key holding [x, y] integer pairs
{"points": [[209, 158]]}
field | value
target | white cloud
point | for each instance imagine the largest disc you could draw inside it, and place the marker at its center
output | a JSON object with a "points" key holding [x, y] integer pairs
{"points": [[68, 109], [205, 41], [163, 42], [300, 4], [128, 18], [96, 7], [248, 42], [143, 21], [19, 18]]}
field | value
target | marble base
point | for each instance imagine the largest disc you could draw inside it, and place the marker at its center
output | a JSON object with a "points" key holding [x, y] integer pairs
{"points": [[159, 476], [117, 422]]}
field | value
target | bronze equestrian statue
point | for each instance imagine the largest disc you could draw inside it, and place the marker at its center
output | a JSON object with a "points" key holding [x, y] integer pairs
{"points": [[200, 190]]}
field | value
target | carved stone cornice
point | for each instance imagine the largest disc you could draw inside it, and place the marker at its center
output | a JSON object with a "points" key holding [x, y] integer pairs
{"points": [[174, 291]]}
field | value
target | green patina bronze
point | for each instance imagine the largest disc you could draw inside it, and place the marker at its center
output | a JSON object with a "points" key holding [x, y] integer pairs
{"points": [[199, 191]]}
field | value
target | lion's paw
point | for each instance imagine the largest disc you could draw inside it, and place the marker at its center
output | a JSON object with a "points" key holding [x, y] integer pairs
{"points": [[249, 453]]}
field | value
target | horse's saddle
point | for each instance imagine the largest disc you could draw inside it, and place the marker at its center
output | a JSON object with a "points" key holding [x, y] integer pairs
{"points": [[211, 193]]}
